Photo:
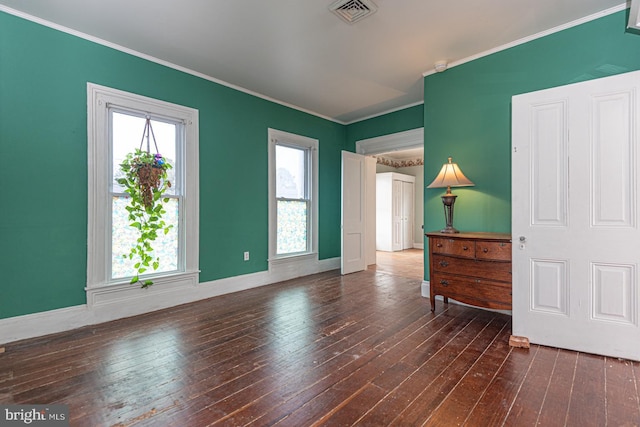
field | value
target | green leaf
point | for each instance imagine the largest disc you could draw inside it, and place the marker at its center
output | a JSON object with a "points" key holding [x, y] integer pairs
{"points": [[156, 265], [134, 279], [147, 283]]}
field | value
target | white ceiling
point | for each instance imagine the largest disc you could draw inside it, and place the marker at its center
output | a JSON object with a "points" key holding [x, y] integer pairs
{"points": [[300, 54]]}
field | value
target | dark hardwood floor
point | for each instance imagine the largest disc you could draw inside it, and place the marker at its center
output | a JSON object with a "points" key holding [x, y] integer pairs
{"points": [[362, 349]]}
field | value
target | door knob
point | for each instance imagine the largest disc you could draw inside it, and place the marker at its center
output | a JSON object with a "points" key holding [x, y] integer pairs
{"points": [[523, 239]]}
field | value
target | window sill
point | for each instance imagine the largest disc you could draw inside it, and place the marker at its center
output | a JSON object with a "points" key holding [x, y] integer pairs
{"points": [[125, 291], [285, 268], [285, 259]]}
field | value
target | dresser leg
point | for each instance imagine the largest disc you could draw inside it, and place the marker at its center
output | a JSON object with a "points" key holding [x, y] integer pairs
{"points": [[446, 300], [433, 303]]}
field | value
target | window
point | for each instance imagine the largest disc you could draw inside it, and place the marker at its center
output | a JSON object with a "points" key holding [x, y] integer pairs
{"points": [[292, 195], [125, 136], [116, 122]]}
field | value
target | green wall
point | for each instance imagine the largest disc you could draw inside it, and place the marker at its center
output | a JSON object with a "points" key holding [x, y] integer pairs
{"points": [[43, 150], [397, 121], [467, 112]]}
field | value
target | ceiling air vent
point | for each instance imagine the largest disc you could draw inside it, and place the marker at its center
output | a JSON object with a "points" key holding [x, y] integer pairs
{"points": [[353, 10]]}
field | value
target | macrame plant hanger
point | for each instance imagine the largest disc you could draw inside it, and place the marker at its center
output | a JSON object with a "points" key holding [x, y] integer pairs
{"points": [[149, 175], [148, 130]]}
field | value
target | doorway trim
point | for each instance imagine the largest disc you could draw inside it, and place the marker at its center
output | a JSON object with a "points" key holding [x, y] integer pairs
{"points": [[413, 138], [405, 140]]}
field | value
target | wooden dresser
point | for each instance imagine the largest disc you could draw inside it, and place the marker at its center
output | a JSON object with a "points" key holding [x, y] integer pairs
{"points": [[473, 268]]}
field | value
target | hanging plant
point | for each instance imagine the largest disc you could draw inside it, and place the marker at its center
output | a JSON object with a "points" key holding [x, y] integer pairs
{"points": [[145, 181]]}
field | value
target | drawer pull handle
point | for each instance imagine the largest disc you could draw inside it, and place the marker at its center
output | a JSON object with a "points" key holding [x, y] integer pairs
{"points": [[438, 245], [443, 263], [444, 282], [485, 250], [465, 248]]}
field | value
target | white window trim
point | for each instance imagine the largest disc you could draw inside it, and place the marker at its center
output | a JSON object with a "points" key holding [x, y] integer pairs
{"points": [[275, 137], [99, 287]]}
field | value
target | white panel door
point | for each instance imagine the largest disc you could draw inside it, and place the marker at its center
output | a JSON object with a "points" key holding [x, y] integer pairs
{"points": [[353, 220], [575, 216], [407, 214], [370, 210], [397, 215]]}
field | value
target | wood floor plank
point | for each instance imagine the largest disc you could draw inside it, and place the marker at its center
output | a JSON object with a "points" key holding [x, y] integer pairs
{"points": [[622, 400], [526, 408], [446, 361], [461, 397], [587, 403], [494, 405], [558, 396], [331, 350]]}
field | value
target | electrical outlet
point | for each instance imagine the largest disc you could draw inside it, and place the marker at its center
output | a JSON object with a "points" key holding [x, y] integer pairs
{"points": [[246, 256]]}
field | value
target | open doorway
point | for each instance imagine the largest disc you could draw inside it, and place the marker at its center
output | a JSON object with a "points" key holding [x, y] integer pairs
{"points": [[395, 160]]}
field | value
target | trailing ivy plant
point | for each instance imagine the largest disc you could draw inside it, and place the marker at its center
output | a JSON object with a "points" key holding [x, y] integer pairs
{"points": [[145, 181]]}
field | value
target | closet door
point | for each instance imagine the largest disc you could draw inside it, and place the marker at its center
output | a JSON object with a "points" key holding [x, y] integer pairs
{"points": [[397, 211], [407, 214]]}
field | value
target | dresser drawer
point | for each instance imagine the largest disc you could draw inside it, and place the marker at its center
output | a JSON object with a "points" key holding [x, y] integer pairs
{"points": [[478, 292], [470, 267], [500, 251], [456, 247]]}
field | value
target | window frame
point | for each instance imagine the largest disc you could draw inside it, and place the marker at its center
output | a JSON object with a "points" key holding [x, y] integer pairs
{"points": [[311, 146], [177, 185], [101, 101]]}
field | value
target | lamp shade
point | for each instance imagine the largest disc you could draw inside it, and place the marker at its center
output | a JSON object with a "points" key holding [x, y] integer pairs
{"points": [[450, 176]]}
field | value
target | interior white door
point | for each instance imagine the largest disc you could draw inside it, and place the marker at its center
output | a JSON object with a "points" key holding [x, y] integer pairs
{"points": [[407, 214], [370, 210], [353, 215], [397, 216], [575, 218]]}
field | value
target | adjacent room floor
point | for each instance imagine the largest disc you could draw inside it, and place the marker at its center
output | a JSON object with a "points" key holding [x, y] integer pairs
{"points": [[408, 263], [362, 349]]}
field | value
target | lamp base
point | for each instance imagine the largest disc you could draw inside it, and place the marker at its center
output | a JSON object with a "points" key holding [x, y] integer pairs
{"points": [[448, 201], [449, 230]]}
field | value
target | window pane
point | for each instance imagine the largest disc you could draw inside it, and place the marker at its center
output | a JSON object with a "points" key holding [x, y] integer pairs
{"points": [[123, 238], [127, 136], [290, 173], [292, 227]]}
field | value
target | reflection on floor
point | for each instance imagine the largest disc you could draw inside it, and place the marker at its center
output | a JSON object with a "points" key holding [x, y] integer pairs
{"points": [[408, 263]]}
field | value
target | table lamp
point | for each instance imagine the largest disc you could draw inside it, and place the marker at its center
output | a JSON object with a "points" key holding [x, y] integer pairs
{"points": [[450, 176]]}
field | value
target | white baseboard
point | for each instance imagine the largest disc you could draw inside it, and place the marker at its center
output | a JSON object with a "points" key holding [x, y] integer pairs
{"points": [[104, 308], [418, 246], [424, 288]]}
